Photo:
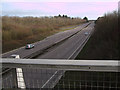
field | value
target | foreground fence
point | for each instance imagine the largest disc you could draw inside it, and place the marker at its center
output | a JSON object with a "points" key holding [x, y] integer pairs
{"points": [[60, 74]]}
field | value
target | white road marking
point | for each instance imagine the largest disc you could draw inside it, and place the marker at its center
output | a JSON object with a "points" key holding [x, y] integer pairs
{"points": [[49, 79], [20, 78]]}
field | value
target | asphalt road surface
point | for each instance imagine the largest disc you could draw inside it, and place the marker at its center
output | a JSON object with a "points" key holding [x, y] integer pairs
{"points": [[64, 50], [63, 45], [67, 48]]}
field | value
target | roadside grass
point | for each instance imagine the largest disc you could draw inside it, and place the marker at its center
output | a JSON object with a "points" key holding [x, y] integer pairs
{"points": [[18, 31], [104, 43]]}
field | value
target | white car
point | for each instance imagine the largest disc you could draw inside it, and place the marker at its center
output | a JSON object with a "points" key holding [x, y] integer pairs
{"points": [[14, 56], [29, 46], [86, 33]]}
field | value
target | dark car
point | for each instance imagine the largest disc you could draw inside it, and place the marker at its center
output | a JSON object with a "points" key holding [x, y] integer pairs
{"points": [[29, 46]]}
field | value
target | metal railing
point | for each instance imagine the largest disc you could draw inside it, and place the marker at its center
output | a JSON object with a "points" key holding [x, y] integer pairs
{"points": [[61, 74]]}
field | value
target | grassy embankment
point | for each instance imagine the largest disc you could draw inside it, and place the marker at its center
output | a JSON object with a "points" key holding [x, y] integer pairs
{"points": [[104, 43], [18, 31]]}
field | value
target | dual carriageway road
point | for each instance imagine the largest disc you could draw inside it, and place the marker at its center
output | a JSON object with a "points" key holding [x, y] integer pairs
{"points": [[63, 45]]}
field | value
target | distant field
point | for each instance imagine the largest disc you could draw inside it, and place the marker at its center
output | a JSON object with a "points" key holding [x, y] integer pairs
{"points": [[104, 43], [18, 31]]}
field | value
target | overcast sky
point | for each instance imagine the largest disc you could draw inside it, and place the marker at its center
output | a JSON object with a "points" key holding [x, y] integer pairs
{"points": [[74, 8]]}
